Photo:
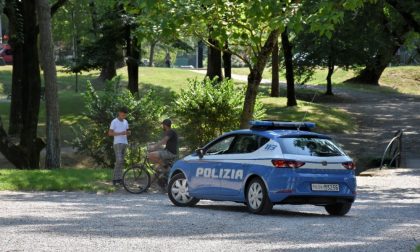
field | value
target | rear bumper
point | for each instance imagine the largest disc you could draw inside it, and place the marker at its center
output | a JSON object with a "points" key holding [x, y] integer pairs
{"points": [[288, 186], [316, 200]]}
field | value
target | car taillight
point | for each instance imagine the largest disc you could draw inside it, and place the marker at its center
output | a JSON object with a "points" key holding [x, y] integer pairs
{"points": [[278, 163], [349, 165]]}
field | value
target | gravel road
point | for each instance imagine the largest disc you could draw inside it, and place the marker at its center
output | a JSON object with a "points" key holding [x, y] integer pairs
{"points": [[385, 217]]}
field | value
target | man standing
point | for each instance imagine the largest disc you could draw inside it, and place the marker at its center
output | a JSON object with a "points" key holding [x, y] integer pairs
{"points": [[119, 130]]}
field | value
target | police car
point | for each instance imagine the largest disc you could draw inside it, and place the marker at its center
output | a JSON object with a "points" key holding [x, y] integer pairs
{"points": [[270, 163]]}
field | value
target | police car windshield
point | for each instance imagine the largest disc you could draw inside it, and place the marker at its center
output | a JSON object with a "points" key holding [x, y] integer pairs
{"points": [[306, 146]]}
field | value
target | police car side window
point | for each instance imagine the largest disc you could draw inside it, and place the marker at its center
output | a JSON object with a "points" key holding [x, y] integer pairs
{"points": [[221, 146], [262, 141], [244, 144]]}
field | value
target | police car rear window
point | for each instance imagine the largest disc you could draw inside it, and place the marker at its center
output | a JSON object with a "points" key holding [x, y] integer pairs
{"points": [[308, 146]]}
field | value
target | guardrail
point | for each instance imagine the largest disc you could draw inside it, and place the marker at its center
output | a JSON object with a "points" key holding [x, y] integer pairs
{"points": [[392, 153]]}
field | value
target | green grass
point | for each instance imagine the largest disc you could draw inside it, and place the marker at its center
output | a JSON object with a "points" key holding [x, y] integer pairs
{"points": [[91, 180], [166, 82], [327, 119], [401, 79]]}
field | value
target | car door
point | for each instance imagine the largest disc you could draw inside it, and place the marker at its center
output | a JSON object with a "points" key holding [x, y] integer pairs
{"points": [[236, 163], [204, 177]]}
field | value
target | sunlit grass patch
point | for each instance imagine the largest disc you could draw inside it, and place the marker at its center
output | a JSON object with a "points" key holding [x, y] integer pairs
{"points": [[328, 119], [92, 180]]}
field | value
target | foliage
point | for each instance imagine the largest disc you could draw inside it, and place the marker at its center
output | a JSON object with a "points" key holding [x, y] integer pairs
{"points": [[208, 108], [91, 180], [101, 108], [106, 45]]}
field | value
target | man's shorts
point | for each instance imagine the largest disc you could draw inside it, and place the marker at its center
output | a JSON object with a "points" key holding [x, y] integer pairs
{"points": [[166, 155]]}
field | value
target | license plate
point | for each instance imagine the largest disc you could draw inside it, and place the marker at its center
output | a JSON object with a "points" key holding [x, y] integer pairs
{"points": [[325, 187]]}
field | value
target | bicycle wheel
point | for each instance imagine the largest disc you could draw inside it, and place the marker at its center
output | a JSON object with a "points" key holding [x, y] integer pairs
{"points": [[136, 179]]}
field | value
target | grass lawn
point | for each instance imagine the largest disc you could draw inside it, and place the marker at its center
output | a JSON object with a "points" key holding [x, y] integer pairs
{"points": [[167, 82], [327, 118], [92, 180], [401, 79]]}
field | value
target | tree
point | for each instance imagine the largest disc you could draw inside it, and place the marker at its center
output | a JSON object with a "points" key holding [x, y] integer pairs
{"points": [[227, 61], [53, 157], [275, 83], [392, 22], [288, 62], [253, 27], [105, 50], [214, 60], [26, 85]]}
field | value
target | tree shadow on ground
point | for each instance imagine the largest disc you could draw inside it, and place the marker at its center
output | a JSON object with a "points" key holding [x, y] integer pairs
{"points": [[153, 216]]}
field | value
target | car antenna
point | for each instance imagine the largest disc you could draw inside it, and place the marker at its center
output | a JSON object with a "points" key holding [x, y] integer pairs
{"points": [[306, 112]]}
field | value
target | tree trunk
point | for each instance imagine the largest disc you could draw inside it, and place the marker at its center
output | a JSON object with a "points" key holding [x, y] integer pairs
{"points": [[13, 153], [53, 157], [330, 73], [152, 53], [94, 17], [13, 11], [214, 61], [108, 72], [227, 62], [31, 87], [372, 72], [200, 52], [254, 78], [132, 62], [26, 85], [288, 60], [275, 83]]}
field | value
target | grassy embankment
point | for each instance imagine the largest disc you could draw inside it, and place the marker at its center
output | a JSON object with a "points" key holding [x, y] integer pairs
{"points": [[401, 79]]}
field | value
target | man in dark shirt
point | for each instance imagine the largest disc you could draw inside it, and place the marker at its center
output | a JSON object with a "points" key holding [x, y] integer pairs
{"points": [[170, 140]]}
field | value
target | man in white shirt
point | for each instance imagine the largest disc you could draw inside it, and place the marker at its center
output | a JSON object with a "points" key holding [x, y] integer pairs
{"points": [[119, 130]]}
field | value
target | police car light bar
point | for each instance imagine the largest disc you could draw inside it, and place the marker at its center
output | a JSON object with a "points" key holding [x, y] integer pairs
{"points": [[270, 125]]}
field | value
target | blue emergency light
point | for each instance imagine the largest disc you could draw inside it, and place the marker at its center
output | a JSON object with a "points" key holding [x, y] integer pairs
{"points": [[276, 125]]}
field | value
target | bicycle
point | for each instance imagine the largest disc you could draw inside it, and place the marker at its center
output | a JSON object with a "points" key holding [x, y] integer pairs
{"points": [[137, 179]]}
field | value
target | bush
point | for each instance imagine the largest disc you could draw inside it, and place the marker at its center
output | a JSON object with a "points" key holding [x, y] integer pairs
{"points": [[102, 107], [207, 109]]}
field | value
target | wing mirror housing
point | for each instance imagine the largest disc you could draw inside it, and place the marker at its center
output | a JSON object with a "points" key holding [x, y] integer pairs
{"points": [[200, 153]]}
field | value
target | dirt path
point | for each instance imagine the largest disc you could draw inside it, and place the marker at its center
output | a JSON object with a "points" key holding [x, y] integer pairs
{"points": [[379, 116]]}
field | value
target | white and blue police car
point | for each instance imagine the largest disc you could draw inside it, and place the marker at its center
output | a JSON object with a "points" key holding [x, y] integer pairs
{"points": [[270, 163]]}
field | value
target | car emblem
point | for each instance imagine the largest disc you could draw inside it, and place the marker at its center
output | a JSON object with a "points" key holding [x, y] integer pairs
{"points": [[324, 163]]}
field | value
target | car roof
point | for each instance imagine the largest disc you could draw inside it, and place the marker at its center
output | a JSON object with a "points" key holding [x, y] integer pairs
{"points": [[272, 134]]}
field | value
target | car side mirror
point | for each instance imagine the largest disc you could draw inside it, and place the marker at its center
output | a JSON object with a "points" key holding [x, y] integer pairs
{"points": [[200, 153]]}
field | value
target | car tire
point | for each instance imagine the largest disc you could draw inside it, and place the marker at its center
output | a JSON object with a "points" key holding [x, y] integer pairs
{"points": [[178, 191], [257, 198], [338, 209]]}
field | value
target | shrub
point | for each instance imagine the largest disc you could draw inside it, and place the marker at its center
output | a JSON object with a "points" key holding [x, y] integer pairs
{"points": [[207, 109], [101, 108]]}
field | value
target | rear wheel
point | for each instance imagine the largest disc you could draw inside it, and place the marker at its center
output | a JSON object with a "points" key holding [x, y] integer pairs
{"points": [[338, 209], [257, 197], [178, 191], [136, 179]]}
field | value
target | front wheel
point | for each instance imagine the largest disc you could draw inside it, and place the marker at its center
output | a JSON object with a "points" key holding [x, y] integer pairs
{"points": [[178, 191], [338, 209], [136, 179], [257, 197]]}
